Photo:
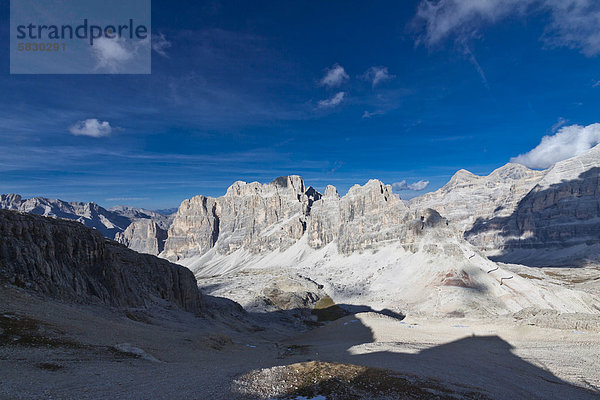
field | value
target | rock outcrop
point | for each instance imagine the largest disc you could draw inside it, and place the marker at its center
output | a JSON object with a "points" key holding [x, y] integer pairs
{"points": [[365, 216], [143, 236], [71, 262], [136, 214], [250, 215]]}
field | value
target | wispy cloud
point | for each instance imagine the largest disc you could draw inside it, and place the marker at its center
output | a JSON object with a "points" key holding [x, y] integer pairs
{"points": [[596, 84], [573, 23], [127, 198], [334, 76], [160, 44], [113, 55], [377, 75], [416, 186], [91, 127], [333, 101], [568, 142], [370, 114], [560, 123], [471, 57]]}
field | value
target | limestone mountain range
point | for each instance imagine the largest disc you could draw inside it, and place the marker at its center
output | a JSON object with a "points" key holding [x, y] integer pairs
{"points": [[515, 214]]}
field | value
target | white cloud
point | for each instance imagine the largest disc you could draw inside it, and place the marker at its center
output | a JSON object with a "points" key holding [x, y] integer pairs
{"points": [[160, 44], [334, 76], [596, 84], [416, 186], [332, 102], [377, 75], [568, 142], [91, 127], [573, 23]]}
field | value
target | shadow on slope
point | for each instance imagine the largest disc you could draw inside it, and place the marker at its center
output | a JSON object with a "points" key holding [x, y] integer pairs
{"points": [[476, 367], [547, 225]]}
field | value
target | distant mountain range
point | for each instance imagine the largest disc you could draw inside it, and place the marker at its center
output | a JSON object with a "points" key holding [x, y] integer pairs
{"points": [[122, 223]]}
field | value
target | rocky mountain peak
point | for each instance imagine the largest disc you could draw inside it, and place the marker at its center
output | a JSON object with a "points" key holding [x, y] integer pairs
{"points": [[461, 176], [331, 192], [293, 182], [513, 171]]}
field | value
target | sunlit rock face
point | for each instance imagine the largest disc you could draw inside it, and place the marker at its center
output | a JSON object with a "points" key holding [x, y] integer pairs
{"points": [[143, 236], [365, 216], [253, 216], [468, 197], [511, 210], [262, 218]]}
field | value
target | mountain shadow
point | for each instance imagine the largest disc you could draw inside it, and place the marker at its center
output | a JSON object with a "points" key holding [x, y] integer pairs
{"points": [[473, 367]]}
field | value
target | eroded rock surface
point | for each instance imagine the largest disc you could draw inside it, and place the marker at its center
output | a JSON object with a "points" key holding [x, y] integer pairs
{"points": [[262, 218], [71, 262], [556, 223], [468, 197]]}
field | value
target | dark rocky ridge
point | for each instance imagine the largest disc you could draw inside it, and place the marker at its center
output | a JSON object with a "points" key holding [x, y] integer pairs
{"points": [[68, 261]]}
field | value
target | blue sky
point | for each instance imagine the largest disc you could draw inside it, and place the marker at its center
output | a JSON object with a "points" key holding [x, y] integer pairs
{"points": [[253, 90]]}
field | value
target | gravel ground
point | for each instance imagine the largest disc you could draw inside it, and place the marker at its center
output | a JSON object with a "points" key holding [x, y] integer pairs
{"points": [[50, 350]]}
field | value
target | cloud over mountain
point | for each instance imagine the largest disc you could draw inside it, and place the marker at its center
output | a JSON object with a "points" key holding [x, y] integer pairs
{"points": [[568, 142]]}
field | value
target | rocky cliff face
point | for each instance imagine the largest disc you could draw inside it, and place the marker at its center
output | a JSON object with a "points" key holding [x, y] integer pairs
{"points": [[143, 236], [70, 262], [468, 197], [262, 218], [517, 215], [556, 223], [365, 216], [257, 217], [511, 213]]}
